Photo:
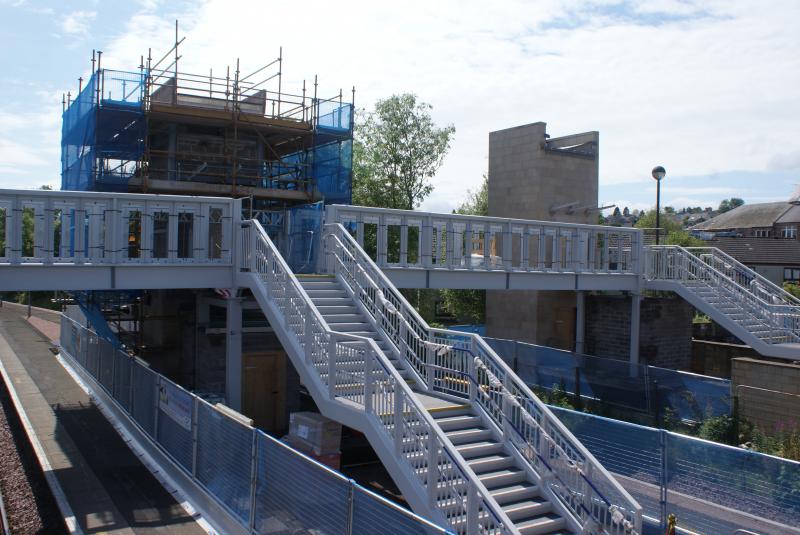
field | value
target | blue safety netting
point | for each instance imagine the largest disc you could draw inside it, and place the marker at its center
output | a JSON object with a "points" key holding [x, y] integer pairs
{"points": [[332, 168], [303, 231], [334, 116], [710, 487], [102, 133], [628, 387]]}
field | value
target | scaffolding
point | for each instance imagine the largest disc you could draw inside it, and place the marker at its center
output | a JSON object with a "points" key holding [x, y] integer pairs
{"points": [[160, 130]]}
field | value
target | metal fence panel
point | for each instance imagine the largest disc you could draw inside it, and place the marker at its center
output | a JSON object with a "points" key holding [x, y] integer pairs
{"points": [[144, 398], [92, 354], [371, 511], [174, 422], [225, 458], [106, 356], [294, 493], [122, 379], [631, 452], [734, 478]]}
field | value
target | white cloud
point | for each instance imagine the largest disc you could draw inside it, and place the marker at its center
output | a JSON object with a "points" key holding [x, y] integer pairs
{"points": [[77, 23]]}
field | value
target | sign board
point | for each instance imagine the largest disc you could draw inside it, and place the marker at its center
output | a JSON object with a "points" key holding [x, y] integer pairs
{"points": [[175, 403]]}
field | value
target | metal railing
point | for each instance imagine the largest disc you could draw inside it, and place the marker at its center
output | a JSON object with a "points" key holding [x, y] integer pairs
{"points": [[775, 312], [74, 227], [253, 476], [353, 370], [463, 365], [404, 238]]}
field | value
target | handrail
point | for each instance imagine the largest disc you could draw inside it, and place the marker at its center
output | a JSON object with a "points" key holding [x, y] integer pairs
{"points": [[777, 290], [782, 318], [541, 428], [467, 502]]}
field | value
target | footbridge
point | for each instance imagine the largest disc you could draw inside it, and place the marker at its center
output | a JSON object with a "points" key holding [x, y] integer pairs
{"points": [[492, 458]]}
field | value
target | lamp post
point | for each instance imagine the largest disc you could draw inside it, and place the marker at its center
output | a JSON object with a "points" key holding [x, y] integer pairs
{"points": [[658, 174]]}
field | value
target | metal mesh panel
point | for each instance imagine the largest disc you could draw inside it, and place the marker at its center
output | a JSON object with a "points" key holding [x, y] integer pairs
{"points": [[175, 422], [744, 481], [224, 459], [92, 354], [144, 398], [294, 493], [105, 373], [371, 511], [122, 379]]}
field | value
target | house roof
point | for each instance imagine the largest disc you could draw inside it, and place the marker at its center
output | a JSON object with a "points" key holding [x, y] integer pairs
{"points": [[760, 250], [749, 216]]}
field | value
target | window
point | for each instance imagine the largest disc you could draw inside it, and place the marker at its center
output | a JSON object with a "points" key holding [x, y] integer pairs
{"points": [[789, 231], [791, 274], [761, 233], [215, 233], [134, 234], [160, 234], [185, 235]]}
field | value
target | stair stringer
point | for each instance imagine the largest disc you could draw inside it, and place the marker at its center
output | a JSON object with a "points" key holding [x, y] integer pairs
{"points": [[763, 348], [401, 471]]}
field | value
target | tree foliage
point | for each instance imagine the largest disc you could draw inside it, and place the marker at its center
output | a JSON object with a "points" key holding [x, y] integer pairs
{"points": [[729, 204], [672, 231], [397, 150]]}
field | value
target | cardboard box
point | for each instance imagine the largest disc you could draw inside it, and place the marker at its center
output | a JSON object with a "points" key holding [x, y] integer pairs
{"points": [[311, 432]]}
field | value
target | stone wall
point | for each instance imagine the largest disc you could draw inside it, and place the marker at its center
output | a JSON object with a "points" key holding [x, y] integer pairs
{"points": [[768, 392], [527, 177], [714, 358], [665, 332]]}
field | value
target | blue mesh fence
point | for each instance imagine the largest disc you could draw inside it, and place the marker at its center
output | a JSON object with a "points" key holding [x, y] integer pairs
{"points": [[371, 511], [304, 232], [711, 488], [335, 116], [616, 383], [293, 494], [145, 383], [224, 458], [174, 421], [106, 364], [332, 169]]}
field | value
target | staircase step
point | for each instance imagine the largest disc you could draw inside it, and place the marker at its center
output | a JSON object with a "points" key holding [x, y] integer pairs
{"points": [[479, 449], [326, 310], [490, 463], [352, 328], [469, 434], [331, 301], [502, 478], [527, 509], [351, 317], [541, 524], [515, 493], [462, 421]]}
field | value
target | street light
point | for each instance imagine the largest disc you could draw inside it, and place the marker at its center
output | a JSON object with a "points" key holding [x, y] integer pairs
{"points": [[658, 174]]}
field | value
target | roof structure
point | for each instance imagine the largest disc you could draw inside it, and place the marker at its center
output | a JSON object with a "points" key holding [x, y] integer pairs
{"points": [[760, 250], [750, 216]]}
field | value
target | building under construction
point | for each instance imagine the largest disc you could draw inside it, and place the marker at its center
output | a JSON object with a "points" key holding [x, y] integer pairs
{"points": [[158, 130]]}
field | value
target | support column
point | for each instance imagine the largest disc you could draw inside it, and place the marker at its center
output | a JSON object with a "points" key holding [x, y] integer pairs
{"points": [[636, 307], [233, 353], [580, 322]]}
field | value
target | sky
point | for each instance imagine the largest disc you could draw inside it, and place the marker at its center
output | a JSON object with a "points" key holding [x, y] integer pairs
{"points": [[708, 89]]}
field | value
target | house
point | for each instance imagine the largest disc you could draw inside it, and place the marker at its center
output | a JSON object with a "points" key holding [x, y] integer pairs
{"points": [[762, 236]]}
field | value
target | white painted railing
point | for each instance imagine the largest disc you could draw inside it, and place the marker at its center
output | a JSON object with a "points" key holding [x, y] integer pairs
{"points": [[403, 238], [355, 370], [776, 312], [71, 227], [463, 365]]}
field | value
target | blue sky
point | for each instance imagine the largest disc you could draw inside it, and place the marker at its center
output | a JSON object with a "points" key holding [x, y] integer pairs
{"points": [[708, 89]]}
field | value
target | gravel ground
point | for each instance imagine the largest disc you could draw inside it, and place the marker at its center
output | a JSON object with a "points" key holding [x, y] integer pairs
{"points": [[29, 504]]}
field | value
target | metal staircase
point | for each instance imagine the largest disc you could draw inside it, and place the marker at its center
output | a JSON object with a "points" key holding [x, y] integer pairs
{"points": [[467, 443], [754, 309], [481, 447]]}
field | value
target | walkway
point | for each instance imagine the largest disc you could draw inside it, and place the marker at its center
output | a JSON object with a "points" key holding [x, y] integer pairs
{"points": [[106, 486]]}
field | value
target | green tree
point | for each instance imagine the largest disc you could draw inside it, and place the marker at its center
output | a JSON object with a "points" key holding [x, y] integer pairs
{"points": [[469, 305], [729, 204], [397, 150], [672, 231]]}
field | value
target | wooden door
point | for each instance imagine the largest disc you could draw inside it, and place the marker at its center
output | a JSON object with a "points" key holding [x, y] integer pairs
{"points": [[264, 396]]}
